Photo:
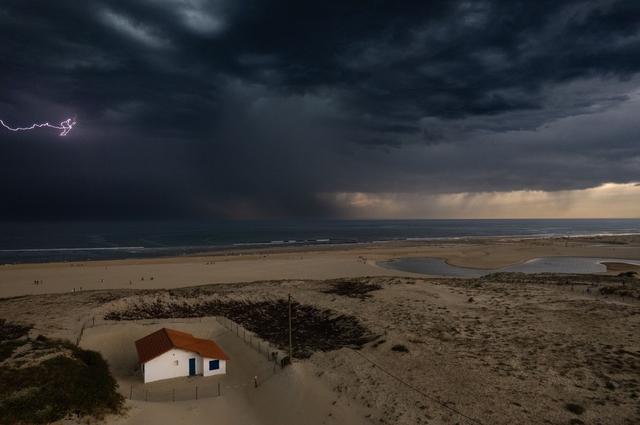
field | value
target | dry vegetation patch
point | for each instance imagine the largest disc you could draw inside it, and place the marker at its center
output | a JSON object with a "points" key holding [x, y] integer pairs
{"points": [[352, 288], [314, 329]]}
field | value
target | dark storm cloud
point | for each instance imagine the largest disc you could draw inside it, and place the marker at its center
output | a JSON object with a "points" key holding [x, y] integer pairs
{"points": [[195, 107]]}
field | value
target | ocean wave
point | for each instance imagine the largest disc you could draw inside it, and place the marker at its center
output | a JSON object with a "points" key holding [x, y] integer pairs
{"points": [[109, 248]]}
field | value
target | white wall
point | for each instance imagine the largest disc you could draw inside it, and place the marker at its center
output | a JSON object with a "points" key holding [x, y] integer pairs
{"points": [[164, 366], [207, 372]]}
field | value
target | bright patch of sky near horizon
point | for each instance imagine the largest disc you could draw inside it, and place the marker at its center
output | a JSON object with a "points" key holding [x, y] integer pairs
{"points": [[609, 200]]}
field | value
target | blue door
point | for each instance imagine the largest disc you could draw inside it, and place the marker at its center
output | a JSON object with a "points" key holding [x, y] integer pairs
{"points": [[192, 367]]}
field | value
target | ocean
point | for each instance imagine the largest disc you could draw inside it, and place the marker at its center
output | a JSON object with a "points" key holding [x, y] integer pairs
{"points": [[22, 242]]}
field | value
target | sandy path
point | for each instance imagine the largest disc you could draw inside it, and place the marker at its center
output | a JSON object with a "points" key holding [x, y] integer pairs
{"points": [[296, 396]]}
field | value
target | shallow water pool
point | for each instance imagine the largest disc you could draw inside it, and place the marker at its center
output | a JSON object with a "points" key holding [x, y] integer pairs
{"points": [[438, 267]]}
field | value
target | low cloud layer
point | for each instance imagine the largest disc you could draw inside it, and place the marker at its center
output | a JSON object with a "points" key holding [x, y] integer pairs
{"points": [[606, 201], [281, 108]]}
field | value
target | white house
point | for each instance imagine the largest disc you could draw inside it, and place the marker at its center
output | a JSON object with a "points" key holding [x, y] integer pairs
{"points": [[168, 353]]}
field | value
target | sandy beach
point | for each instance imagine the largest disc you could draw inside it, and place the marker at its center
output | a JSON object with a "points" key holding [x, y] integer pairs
{"points": [[498, 350], [296, 263]]}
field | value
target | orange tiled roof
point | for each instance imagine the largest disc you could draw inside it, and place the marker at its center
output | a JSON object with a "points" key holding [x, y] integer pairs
{"points": [[163, 340]]}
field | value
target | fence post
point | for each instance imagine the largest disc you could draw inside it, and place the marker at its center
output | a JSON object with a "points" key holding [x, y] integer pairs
{"points": [[84, 324]]}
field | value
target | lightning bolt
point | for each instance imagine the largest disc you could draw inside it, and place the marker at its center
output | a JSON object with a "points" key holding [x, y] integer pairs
{"points": [[65, 126]]}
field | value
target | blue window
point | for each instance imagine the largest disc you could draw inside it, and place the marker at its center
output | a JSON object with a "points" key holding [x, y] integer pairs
{"points": [[214, 364]]}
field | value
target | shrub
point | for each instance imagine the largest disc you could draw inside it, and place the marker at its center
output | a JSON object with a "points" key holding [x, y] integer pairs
{"points": [[574, 408], [400, 348], [10, 338], [352, 289], [78, 384], [10, 331]]}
